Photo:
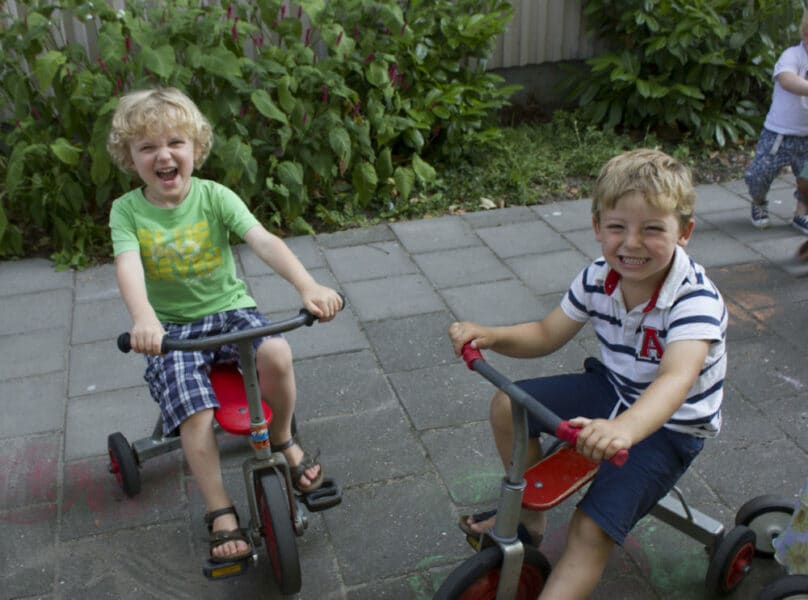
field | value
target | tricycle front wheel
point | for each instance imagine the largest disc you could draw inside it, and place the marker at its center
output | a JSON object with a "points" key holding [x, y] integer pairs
{"points": [[478, 577], [277, 530]]}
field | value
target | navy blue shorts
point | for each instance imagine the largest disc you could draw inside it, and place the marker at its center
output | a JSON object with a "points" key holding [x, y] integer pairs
{"points": [[179, 381], [618, 497]]}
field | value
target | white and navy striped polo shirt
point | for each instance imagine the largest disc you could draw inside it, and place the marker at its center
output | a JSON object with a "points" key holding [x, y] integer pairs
{"points": [[687, 306]]}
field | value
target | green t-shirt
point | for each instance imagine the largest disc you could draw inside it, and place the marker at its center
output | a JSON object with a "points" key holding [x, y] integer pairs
{"points": [[185, 250]]}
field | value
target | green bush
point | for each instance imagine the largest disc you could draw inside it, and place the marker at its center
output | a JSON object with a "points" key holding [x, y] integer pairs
{"points": [[321, 109], [700, 67]]}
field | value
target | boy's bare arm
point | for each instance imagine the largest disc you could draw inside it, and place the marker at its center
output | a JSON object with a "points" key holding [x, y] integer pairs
{"points": [[147, 331], [524, 340], [792, 82], [322, 301], [678, 371]]}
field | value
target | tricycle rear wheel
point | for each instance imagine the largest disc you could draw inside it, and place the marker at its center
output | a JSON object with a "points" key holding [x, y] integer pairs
{"points": [[123, 464], [768, 516]]}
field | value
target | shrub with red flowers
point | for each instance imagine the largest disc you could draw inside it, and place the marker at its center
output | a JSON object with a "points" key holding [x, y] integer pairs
{"points": [[320, 108]]}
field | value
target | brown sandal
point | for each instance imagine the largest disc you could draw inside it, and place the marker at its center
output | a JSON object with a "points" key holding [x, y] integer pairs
{"points": [[299, 470], [217, 538]]}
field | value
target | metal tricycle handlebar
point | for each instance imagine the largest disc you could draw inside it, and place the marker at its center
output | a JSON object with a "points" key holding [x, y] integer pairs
{"points": [[551, 422], [304, 317]]}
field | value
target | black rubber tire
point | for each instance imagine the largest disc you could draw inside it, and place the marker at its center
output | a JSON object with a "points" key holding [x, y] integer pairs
{"points": [[277, 530], [477, 578], [731, 561], [787, 587], [123, 464], [768, 516]]}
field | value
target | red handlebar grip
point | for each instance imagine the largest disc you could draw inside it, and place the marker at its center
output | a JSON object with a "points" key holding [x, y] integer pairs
{"points": [[470, 354], [569, 434]]}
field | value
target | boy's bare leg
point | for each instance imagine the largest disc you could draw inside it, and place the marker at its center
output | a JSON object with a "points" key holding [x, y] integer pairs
{"points": [[202, 453], [581, 565], [277, 380], [502, 428]]}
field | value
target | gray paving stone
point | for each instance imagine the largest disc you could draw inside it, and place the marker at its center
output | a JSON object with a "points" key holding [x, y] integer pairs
{"points": [[33, 404], [29, 471], [396, 533], [340, 384], [442, 396], [519, 239], [567, 216], [411, 342], [550, 272], [99, 320], [94, 502], [100, 367], [467, 461], [36, 353], [98, 283], [31, 275], [304, 247], [501, 216], [429, 235], [341, 334], [758, 284], [356, 237], [584, 241], [452, 268], [371, 261], [782, 253], [47, 309], [499, 303], [715, 197], [714, 248], [348, 442], [399, 296], [736, 223], [277, 297], [90, 419], [31, 573]]}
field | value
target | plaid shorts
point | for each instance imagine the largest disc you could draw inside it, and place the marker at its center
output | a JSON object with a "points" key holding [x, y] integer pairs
{"points": [[179, 381]]}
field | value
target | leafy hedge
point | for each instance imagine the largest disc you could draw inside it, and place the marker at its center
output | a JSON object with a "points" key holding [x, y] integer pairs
{"points": [[318, 108], [700, 67]]}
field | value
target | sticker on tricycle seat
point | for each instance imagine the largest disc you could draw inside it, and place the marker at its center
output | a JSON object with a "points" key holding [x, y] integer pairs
{"points": [[791, 546]]}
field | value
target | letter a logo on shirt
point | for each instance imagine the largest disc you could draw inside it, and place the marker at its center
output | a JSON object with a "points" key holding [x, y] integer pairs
{"points": [[651, 344]]}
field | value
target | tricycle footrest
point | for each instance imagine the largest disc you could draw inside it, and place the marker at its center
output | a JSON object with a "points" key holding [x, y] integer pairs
{"points": [[327, 495]]}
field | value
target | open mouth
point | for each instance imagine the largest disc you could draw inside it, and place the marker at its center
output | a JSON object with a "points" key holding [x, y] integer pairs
{"points": [[633, 261], [167, 174]]}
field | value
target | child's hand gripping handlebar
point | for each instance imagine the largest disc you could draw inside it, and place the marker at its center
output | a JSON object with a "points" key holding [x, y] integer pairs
{"points": [[551, 422], [304, 317]]}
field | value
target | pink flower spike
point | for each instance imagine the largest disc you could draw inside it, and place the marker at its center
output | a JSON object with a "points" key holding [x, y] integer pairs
{"points": [[339, 38], [356, 32], [101, 64], [128, 44], [229, 11], [299, 12], [369, 58], [325, 94], [283, 11], [308, 36], [356, 108], [305, 119]]}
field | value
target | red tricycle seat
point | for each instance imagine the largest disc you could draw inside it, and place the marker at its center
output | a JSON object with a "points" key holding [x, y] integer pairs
{"points": [[233, 413], [554, 479]]}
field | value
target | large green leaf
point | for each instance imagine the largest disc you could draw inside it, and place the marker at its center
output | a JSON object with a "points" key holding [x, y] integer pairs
{"points": [[66, 152], [340, 143], [365, 181], [160, 60], [46, 66], [423, 169], [263, 102]]}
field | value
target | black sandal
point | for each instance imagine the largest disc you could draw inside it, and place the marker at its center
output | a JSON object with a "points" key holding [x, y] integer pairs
{"points": [[217, 538], [298, 470]]}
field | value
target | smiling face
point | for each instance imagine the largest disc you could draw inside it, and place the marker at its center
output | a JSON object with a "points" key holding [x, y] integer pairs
{"points": [[638, 241], [164, 161]]}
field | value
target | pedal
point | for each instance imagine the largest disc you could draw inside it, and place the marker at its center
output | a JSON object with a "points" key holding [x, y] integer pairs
{"points": [[328, 495], [225, 570]]}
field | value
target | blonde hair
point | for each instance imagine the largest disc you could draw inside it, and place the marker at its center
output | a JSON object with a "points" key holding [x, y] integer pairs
{"points": [[151, 112], [664, 182], [804, 23]]}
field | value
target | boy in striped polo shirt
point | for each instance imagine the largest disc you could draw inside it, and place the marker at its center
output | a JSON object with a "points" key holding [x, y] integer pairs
{"points": [[657, 389]]}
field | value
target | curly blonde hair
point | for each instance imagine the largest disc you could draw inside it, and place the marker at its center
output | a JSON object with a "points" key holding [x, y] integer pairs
{"points": [[664, 182], [150, 112]]}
